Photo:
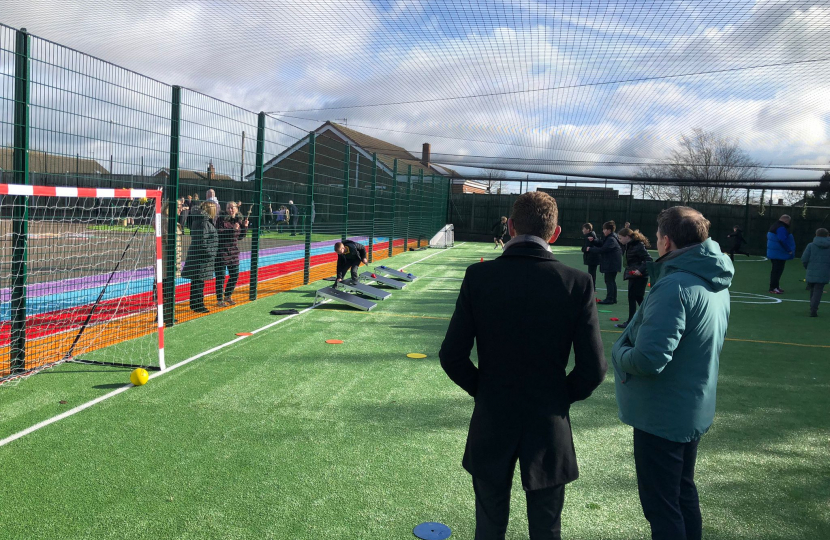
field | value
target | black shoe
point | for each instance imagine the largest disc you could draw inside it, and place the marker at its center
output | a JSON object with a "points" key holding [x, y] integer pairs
{"points": [[814, 314], [201, 310], [622, 325], [607, 302]]}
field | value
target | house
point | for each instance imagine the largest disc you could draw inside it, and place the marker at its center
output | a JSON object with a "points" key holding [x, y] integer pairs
{"points": [[43, 163], [292, 164], [185, 174], [460, 185]]}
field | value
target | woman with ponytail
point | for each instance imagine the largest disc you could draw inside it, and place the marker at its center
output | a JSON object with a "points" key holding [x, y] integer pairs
{"points": [[636, 272]]}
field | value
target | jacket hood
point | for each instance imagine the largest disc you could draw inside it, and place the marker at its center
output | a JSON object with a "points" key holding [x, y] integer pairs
{"points": [[704, 260], [777, 225], [822, 242]]}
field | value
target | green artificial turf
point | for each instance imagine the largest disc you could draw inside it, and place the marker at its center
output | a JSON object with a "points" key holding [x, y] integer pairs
{"points": [[283, 436]]}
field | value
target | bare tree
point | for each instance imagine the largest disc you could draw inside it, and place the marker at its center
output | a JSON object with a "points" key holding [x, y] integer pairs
{"points": [[705, 163], [494, 180]]}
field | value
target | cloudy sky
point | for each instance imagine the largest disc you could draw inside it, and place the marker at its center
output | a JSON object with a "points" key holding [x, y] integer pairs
{"points": [[570, 87]]}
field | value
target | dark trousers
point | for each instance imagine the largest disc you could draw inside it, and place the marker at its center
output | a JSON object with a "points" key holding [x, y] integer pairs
{"points": [[666, 482], [294, 227], [345, 266], [816, 290], [592, 269], [775, 274], [544, 511], [223, 291], [197, 293], [636, 294], [610, 286], [737, 250]]}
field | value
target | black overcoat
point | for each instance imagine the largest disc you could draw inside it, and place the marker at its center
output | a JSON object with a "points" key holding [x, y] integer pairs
{"points": [[637, 257], [521, 389], [589, 257], [610, 251]]}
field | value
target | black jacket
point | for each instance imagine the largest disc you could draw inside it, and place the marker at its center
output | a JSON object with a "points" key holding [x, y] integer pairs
{"points": [[610, 253], [355, 255], [499, 229], [593, 256], [201, 253], [636, 257], [737, 239], [521, 389]]}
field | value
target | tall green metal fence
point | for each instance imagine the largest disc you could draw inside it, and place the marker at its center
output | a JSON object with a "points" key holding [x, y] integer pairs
{"points": [[473, 216], [69, 119]]}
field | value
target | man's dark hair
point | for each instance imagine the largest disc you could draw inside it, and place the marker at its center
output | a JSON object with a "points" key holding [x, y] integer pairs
{"points": [[338, 245], [683, 225], [535, 213], [588, 226], [822, 232], [609, 226]]}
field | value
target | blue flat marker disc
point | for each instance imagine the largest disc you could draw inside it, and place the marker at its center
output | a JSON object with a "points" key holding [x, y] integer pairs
{"points": [[432, 531]]}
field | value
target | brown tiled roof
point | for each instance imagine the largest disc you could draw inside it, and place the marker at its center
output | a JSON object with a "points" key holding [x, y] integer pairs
{"points": [[185, 174], [387, 152], [41, 162]]}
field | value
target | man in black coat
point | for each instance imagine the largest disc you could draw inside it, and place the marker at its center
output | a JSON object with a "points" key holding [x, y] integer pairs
{"points": [[349, 256], [522, 392], [610, 262], [294, 216]]}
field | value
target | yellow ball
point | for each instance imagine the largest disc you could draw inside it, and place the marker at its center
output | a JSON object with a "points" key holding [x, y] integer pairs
{"points": [[139, 376]]}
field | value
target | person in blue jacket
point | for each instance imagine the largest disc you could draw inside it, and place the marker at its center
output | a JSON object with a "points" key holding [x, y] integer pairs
{"points": [[666, 369], [780, 249]]}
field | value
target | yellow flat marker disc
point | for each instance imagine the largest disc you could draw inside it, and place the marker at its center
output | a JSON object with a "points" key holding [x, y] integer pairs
{"points": [[416, 355]]}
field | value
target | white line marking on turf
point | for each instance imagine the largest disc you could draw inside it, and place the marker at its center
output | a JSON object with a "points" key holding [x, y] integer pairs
{"points": [[99, 399]]}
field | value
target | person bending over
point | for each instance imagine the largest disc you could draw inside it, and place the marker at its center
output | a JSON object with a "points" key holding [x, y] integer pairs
{"points": [[636, 270], [349, 256]]}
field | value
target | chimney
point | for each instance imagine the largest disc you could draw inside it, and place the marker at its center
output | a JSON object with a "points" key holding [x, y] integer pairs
{"points": [[211, 171], [425, 155]]}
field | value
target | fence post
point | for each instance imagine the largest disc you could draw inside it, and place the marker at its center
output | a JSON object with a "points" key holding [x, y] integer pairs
{"points": [[312, 143], [408, 201], [257, 225], [347, 161], [433, 211], [447, 208], [373, 199], [169, 281], [421, 182], [20, 205], [394, 203]]}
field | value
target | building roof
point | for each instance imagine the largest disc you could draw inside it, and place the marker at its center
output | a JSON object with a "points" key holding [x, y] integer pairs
{"points": [[43, 163], [368, 145], [185, 174]]}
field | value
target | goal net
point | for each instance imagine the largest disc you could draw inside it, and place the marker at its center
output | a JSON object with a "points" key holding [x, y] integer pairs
{"points": [[81, 278], [444, 238]]}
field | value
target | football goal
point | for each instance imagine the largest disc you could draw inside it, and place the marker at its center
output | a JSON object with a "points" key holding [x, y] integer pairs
{"points": [[443, 238], [81, 278]]}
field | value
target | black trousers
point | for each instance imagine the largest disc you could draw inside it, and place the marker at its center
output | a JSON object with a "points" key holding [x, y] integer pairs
{"points": [[775, 274], [197, 293], [636, 294], [345, 266], [816, 290], [666, 482], [294, 225], [544, 511], [223, 291], [737, 250], [592, 269], [610, 286]]}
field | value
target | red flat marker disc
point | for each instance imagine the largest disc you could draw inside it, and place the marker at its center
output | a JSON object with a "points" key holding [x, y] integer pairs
{"points": [[614, 319], [334, 341], [244, 334]]}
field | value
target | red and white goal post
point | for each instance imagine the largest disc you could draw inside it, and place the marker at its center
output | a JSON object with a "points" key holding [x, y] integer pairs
{"points": [[81, 272]]}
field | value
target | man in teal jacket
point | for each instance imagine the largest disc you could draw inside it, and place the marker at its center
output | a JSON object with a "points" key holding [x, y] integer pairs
{"points": [[666, 369]]}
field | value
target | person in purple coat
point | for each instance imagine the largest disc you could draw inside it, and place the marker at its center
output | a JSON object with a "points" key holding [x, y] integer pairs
{"points": [[232, 227]]}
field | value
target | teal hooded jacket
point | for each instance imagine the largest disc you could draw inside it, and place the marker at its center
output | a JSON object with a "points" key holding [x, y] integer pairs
{"points": [[816, 259], [666, 362]]}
